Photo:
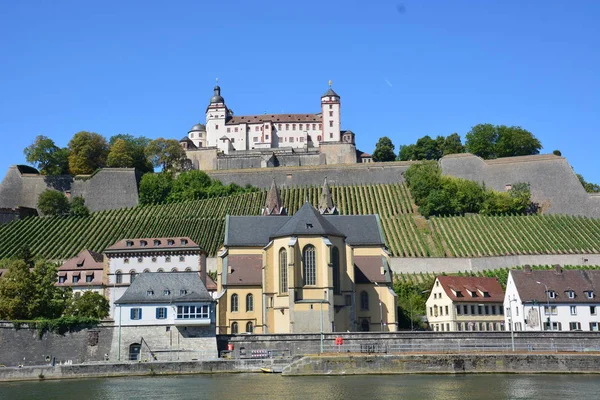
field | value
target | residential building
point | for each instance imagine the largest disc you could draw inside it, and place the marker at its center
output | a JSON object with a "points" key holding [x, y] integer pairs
{"points": [[555, 299], [465, 303], [166, 316], [309, 272], [83, 272], [128, 258]]}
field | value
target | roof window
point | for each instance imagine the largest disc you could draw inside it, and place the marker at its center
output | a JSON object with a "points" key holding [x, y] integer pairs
{"points": [[156, 242], [571, 294], [150, 292], [589, 294], [129, 243], [143, 243], [183, 292], [166, 292], [184, 242], [170, 242], [551, 294]]}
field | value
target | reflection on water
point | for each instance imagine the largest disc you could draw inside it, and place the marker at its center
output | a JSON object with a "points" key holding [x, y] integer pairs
{"points": [[267, 386]]}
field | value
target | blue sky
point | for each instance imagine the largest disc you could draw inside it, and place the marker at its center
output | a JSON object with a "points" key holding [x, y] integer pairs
{"points": [[403, 69]]}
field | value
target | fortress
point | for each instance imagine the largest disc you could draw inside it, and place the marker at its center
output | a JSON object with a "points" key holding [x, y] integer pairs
{"points": [[228, 141]]}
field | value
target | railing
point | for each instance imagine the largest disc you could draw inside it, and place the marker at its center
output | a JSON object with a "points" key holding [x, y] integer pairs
{"points": [[171, 355]]}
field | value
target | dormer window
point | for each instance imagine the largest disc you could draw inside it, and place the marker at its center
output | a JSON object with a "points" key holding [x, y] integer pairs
{"points": [[571, 294], [183, 292], [143, 243], [129, 243], [589, 294], [170, 242], [150, 292], [309, 226], [156, 243], [551, 294], [184, 242], [458, 293], [166, 292]]}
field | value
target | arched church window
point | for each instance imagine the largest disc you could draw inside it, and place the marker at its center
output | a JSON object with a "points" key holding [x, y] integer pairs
{"points": [[364, 300], [234, 328], [309, 265], [249, 327], [234, 302], [283, 278], [335, 265], [249, 302]]}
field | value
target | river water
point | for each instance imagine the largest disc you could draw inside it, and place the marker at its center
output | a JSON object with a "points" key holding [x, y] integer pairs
{"points": [[271, 386]]}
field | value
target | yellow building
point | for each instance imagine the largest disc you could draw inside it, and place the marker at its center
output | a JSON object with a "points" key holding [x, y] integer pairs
{"points": [[310, 272]]}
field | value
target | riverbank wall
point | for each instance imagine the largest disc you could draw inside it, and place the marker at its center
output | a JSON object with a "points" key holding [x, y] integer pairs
{"points": [[500, 363]]}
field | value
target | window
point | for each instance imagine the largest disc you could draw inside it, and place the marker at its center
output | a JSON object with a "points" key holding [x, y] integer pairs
{"points": [[592, 310], [249, 302], [173, 269], [160, 270], [255, 139], [330, 106], [300, 126], [166, 292], [170, 242], [153, 259], [279, 126], [126, 261], [135, 313], [364, 300], [331, 113], [118, 277], [465, 309], [249, 327], [293, 127], [589, 294], [487, 310], [256, 128], [320, 126], [283, 278], [301, 139], [161, 312], [287, 127], [446, 309], [216, 126], [143, 243], [574, 326], [183, 292], [431, 311], [75, 278], [493, 310], [551, 294], [181, 258], [458, 310], [331, 124], [594, 326], [550, 310], [236, 129], [167, 259], [472, 310], [150, 292], [571, 294], [156, 242], [89, 278], [140, 259], [573, 310], [228, 130], [129, 243], [193, 312], [335, 265], [234, 328], [266, 137], [146, 270], [318, 138], [184, 242], [309, 265], [330, 135], [234, 302]]}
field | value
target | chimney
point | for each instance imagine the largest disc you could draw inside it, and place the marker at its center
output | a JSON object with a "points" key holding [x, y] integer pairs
{"points": [[557, 269], [527, 269]]}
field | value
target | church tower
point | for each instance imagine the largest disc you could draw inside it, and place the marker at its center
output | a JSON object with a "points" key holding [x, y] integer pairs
{"points": [[330, 109], [326, 201], [273, 204], [216, 115]]}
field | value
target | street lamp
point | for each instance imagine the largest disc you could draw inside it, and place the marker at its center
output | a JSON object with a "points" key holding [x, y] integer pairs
{"points": [[547, 303]]}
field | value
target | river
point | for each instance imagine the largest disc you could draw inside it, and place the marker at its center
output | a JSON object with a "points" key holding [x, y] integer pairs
{"points": [[268, 386]]}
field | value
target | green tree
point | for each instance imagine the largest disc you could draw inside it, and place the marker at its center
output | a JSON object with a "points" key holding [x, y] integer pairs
{"points": [[26, 255], [422, 178], [190, 185], [480, 140], [78, 208], [88, 152], [47, 157], [127, 151], [427, 148], [453, 145], [53, 202], [16, 291], [406, 152], [155, 187], [166, 153], [489, 141], [384, 150], [89, 305], [589, 187], [49, 301]]}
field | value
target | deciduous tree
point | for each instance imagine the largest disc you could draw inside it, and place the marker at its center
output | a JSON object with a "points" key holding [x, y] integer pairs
{"points": [[78, 208], [127, 151], [53, 202], [88, 152], [166, 153], [89, 305], [384, 150], [47, 157], [489, 141], [16, 291], [155, 187]]}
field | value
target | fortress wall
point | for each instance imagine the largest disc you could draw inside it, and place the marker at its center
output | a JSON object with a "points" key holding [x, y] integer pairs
{"points": [[349, 174], [338, 153], [554, 184], [108, 189]]}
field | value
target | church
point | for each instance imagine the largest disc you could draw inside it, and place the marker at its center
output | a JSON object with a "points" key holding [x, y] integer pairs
{"points": [[228, 141], [315, 271]]}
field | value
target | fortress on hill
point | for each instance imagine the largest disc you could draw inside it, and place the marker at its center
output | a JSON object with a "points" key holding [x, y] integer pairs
{"points": [[228, 141]]}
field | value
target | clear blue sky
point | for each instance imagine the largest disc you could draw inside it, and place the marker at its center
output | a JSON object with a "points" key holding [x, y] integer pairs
{"points": [[403, 69]]}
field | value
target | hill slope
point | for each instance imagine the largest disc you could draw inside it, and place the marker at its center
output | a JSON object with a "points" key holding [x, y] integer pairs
{"points": [[407, 233]]}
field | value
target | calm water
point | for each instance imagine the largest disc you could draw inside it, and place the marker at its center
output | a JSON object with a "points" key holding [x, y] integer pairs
{"points": [[266, 386]]}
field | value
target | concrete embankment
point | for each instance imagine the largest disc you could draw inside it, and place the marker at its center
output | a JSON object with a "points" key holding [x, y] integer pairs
{"points": [[444, 364], [105, 370]]}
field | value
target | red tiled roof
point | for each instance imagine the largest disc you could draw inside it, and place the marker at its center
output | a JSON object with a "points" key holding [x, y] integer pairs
{"points": [[163, 243], [244, 270], [275, 118], [85, 260], [472, 288]]}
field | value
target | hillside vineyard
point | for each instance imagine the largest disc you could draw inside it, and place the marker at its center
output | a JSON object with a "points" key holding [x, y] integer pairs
{"points": [[407, 233]]}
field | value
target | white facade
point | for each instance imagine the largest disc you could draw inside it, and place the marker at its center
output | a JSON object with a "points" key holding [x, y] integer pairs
{"points": [[227, 132], [559, 313], [165, 314]]}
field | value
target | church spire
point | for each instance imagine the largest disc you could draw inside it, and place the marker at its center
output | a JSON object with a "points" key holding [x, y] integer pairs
{"points": [[273, 204], [326, 202]]}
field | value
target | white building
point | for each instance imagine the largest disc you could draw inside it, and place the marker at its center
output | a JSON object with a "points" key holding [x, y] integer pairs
{"points": [[82, 273], [229, 132], [166, 316], [130, 257], [465, 303], [557, 299]]}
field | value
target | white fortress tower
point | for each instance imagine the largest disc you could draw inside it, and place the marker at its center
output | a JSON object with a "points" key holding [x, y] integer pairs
{"points": [[330, 110]]}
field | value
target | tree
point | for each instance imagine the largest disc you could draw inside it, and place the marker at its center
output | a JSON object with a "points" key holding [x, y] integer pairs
{"points": [[453, 145], [406, 152], [190, 185], [155, 188], [16, 291], [49, 301], [47, 157], [89, 305], [127, 151], [88, 152], [422, 178], [166, 153], [427, 148], [53, 202], [384, 150], [489, 141], [557, 153], [78, 208], [589, 187]]}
